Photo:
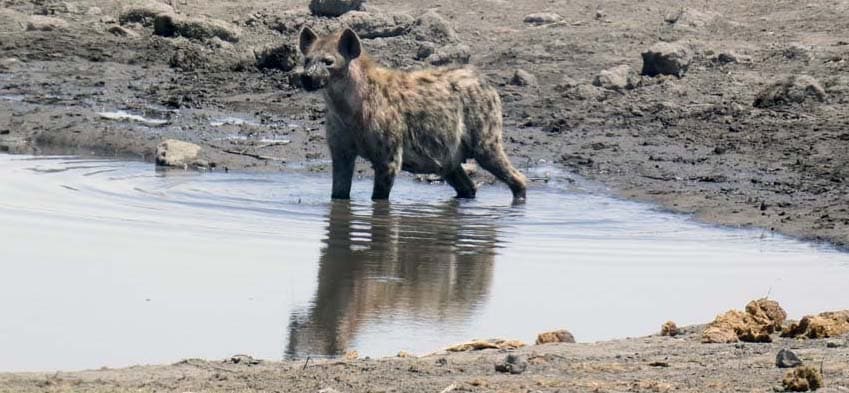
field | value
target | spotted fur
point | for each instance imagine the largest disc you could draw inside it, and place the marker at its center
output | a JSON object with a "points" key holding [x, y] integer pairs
{"points": [[428, 121]]}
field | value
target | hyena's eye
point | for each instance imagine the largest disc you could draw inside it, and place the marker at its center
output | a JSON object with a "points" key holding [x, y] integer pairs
{"points": [[328, 61]]}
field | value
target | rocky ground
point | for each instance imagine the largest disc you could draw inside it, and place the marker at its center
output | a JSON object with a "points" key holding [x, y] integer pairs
{"points": [[749, 127]]}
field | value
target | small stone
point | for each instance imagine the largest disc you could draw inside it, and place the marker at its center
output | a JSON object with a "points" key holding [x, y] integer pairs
{"points": [[352, 355], [333, 8], [802, 379], [619, 78], [244, 360], [282, 57], [787, 359], [94, 11], [666, 58], [512, 364], [523, 78], [834, 344], [121, 31], [378, 25], [45, 23], [731, 58], [542, 18], [404, 354], [175, 153], [565, 84], [557, 336], [669, 329], [450, 54]]}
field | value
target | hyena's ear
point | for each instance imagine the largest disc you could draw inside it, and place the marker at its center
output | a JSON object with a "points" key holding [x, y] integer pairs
{"points": [[350, 45], [306, 39]]}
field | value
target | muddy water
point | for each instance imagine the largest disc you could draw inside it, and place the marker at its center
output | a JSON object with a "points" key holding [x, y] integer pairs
{"points": [[111, 263]]}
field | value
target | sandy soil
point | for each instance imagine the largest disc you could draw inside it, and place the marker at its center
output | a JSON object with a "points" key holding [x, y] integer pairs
{"points": [[692, 144]]}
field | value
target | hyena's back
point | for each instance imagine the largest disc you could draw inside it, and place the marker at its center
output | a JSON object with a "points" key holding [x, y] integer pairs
{"points": [[444, 115]]}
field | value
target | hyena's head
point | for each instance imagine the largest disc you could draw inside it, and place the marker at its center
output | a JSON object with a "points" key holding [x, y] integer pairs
{"points": [[326, 58]]}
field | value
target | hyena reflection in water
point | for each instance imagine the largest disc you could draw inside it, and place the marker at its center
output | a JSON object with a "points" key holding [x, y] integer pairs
{"points": [[427, 121], [432, 265]]}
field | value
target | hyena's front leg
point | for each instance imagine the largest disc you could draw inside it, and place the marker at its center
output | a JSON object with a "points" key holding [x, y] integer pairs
{"points": [[343, 174], [384, 175]]}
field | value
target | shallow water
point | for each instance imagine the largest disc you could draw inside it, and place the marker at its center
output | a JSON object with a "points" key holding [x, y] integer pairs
{"points": [[111, 263]]}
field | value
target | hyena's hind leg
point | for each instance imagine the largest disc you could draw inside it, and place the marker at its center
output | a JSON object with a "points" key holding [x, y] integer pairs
{"points": [[495, 160], [459, 179]]}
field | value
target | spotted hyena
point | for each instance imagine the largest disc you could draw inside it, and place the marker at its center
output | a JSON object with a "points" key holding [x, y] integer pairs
{"points": [[427, 121]]}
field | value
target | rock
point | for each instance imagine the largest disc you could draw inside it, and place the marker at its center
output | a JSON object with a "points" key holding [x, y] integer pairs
{"points": [[45, 23], [477, 345], [665, 58], [690, 19], [171, 25], [143, 11], [762, 317], [669, 329], [730, 57], [449, 54], [557, 336], [378, 25], [793, 89], [404, 354], [121, 31], [351, 355], [333, 8], [282, 57], [787, 359], [618, 78], [835, 344], [523, 78], [512, 364], [172, 152], [565, 84], [824, 325], [430, 26], [586, 91], [802, 379], [94, 11], [8, 63], [542, 18], [243, 359]]}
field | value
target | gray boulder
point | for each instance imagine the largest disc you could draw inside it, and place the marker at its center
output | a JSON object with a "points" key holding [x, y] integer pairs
{"points": [[666, 58], [618, 78], [171, 25], [432, 27]]}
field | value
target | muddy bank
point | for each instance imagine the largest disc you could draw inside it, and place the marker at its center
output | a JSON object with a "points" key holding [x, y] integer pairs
{"points": [[725, 136], [646, 364]]}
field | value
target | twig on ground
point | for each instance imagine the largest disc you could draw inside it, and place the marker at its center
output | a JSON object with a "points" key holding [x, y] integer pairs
{"points": [[253, 155]]}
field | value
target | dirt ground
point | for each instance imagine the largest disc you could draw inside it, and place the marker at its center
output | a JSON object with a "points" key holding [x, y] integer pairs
{"points": [[694, 144], [648, 364]]}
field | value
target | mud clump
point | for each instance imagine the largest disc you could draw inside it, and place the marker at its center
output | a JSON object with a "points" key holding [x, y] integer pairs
{"points": [[449, 54], [557, 336], [669, 329], [282, 57], [542, 18], [761, 318], [143, 12], [824, 325], [378, 25], [793, 89], [175, 153], [618, 78], [689, 19], [664, 58], [802, 379], [477, 345], [333, 8], [170, 25]]}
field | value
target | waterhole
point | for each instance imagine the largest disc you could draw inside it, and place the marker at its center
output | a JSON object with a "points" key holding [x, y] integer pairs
{"points": [[112, 263]]}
